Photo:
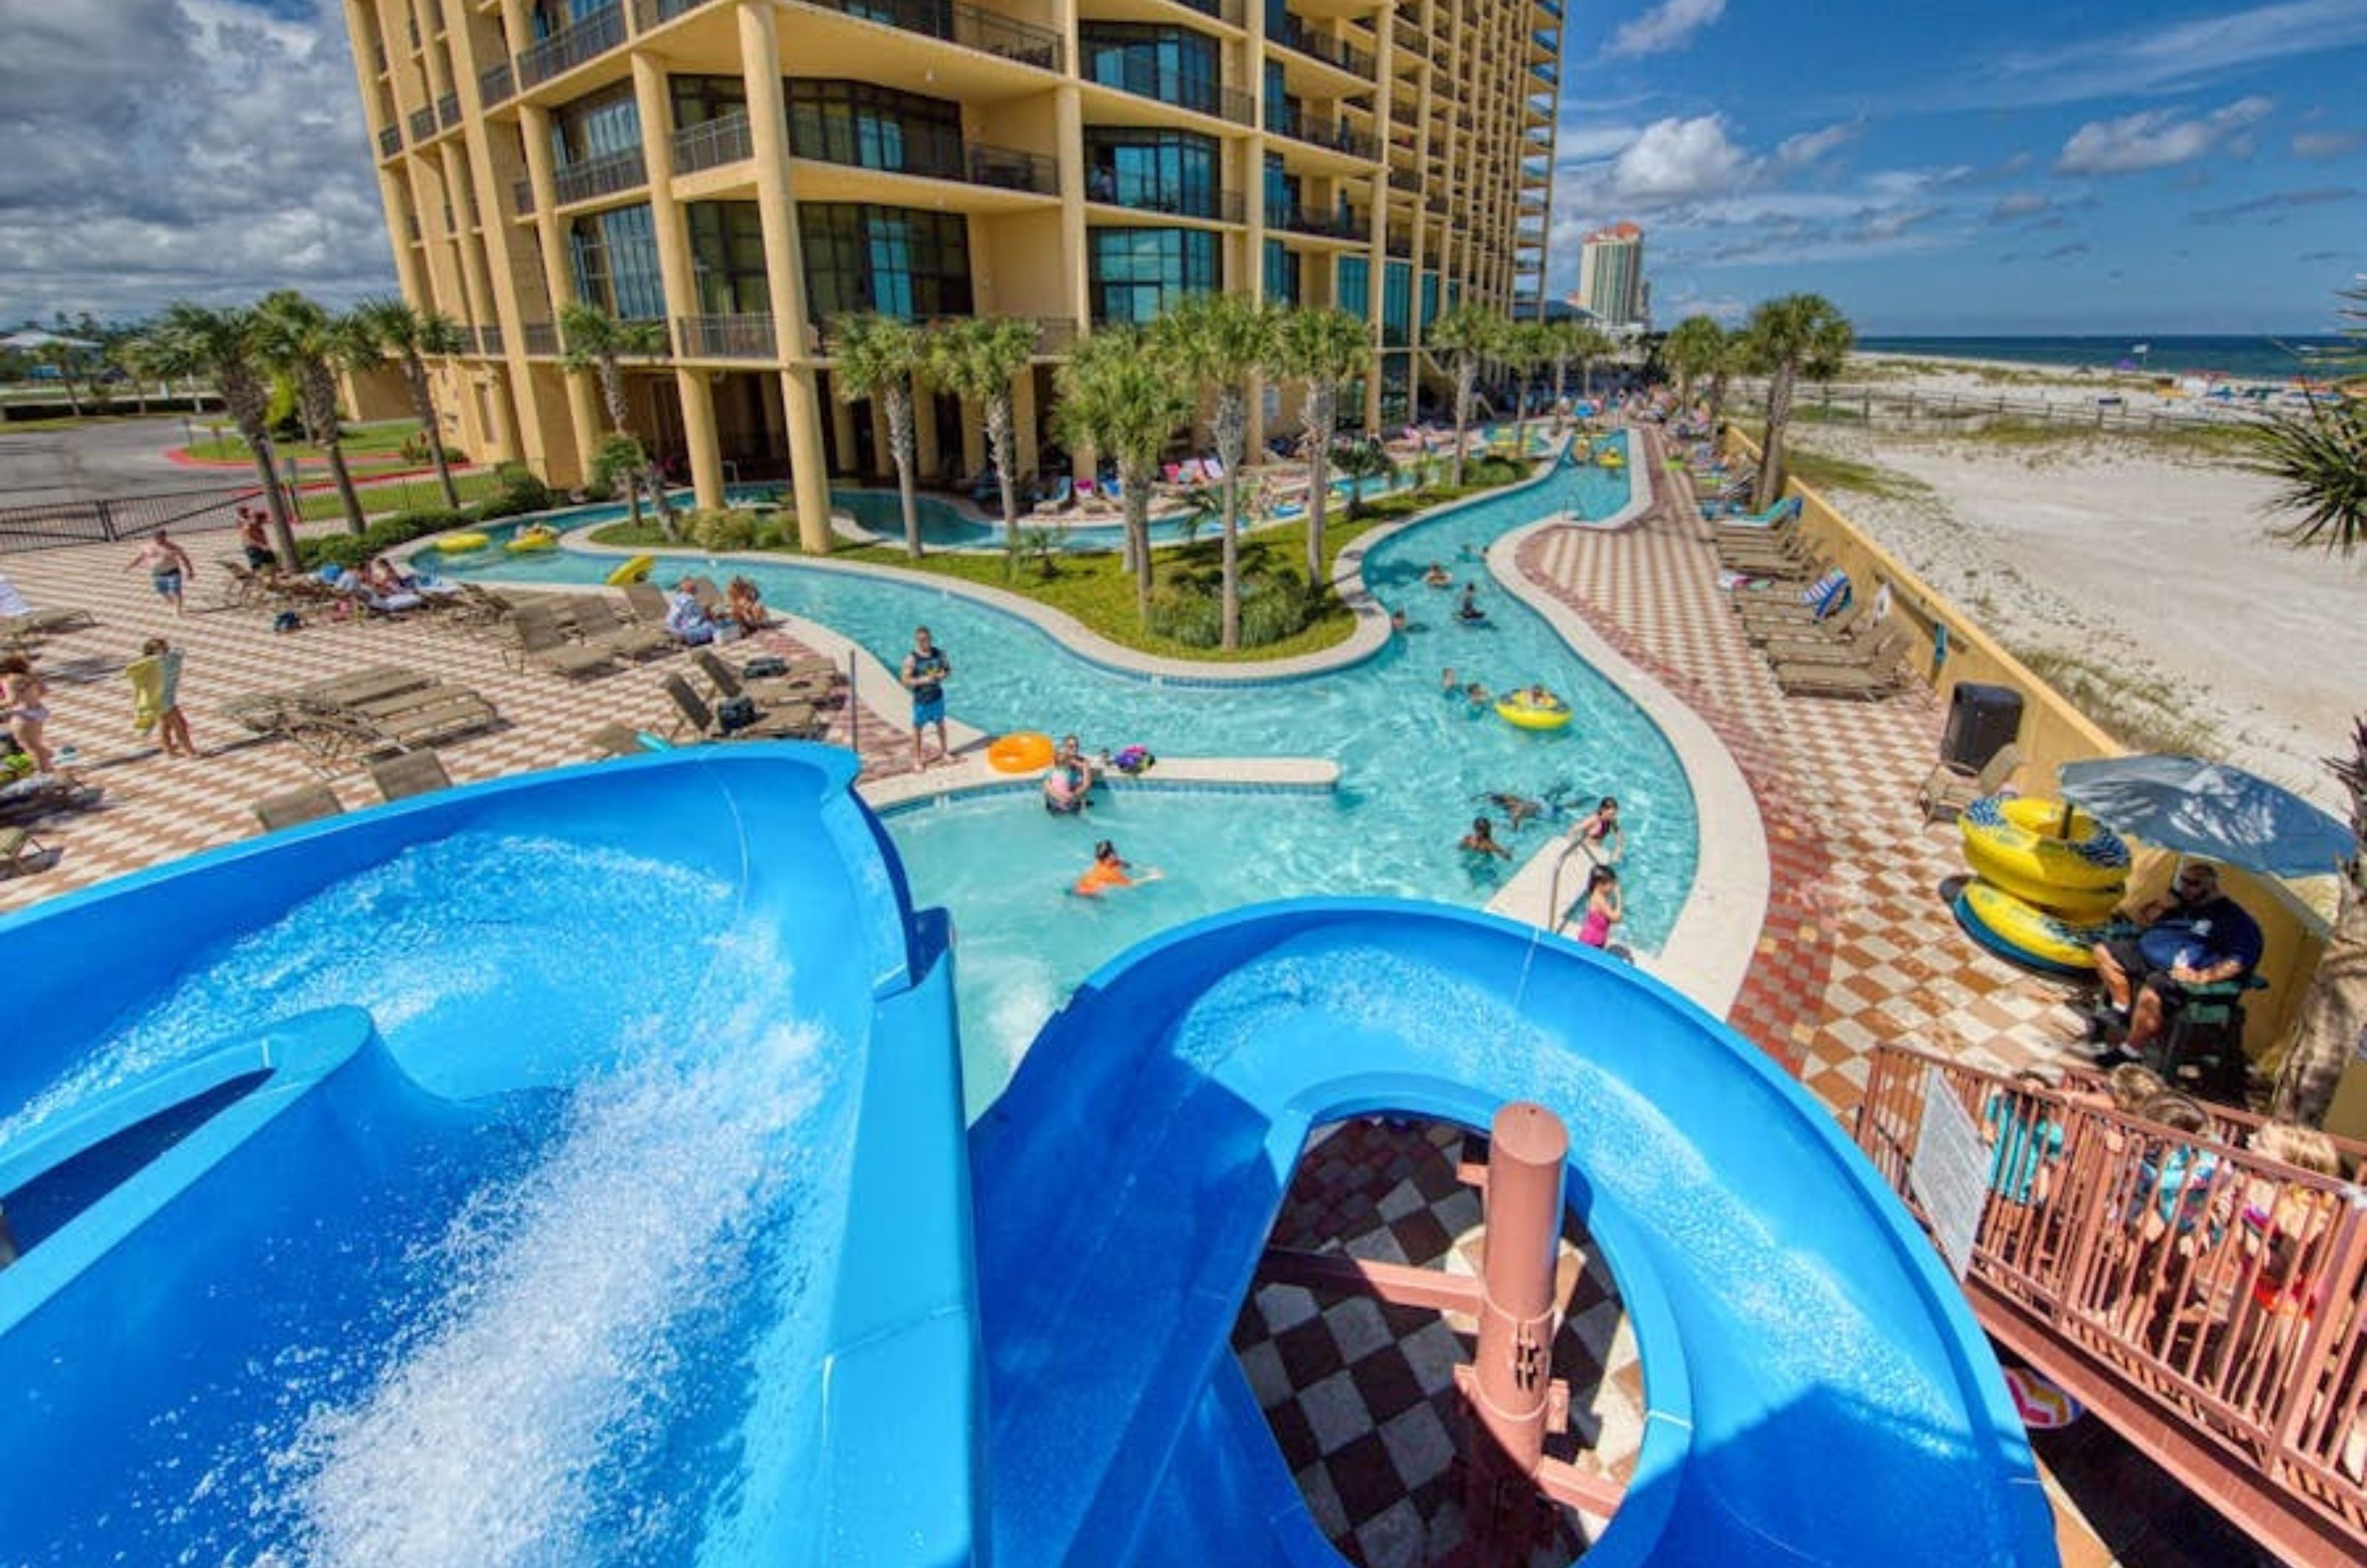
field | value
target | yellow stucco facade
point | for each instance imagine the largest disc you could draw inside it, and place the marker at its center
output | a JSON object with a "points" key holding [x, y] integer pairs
{"points": [[745, 169]]}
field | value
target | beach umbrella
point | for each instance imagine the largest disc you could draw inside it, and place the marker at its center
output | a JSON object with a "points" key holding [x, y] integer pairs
{"points": [[2210, 809]]}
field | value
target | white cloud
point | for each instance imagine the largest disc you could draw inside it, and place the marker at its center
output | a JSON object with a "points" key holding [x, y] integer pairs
{"points": [[2325, 146], [1668, 26], [171, 149], [1679, 160], [2156, 138], [1799, 152], [2157, 59]]}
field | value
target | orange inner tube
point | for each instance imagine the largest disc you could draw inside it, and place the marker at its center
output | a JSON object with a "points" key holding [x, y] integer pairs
{"points": [[1021, 751]]}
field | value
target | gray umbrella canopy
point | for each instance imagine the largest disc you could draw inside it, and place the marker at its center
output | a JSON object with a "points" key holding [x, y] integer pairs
{"points": [[2208, 809]]}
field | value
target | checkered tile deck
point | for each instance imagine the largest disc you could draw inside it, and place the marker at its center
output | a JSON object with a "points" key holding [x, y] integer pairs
{"points": [[1360, 1394]]}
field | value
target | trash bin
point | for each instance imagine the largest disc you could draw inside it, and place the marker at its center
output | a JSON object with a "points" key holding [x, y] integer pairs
{"points": [[1981, 721]]}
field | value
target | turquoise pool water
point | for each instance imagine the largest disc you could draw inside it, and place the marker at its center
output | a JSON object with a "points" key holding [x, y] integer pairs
{"points": [[1415, 763]]}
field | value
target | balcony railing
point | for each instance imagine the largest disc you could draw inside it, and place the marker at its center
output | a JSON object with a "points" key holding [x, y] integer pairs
{"points": [[725, 337], [489, 340], [604, 175], [1307, 221], [1289, 31], [1228, 11], [1113, 189], [647, 14], [937, 153], [1336, 134], [710, 144], [448, 110], [496, 84], [522, 196], [390, 142], [1404, 179], [962, 24], [569, 46], [1167, 86], [542, 337], [422, 125]]}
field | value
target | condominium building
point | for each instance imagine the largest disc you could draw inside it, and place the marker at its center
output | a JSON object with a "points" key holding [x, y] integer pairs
{"points": [[744, 171], [1610, 276]]}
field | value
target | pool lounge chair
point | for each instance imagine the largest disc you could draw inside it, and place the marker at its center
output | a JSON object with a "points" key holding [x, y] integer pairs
{"points": [[1783, 512], [1868, 682], [777, 712], [602, 628], [289, 807], [1885, 645], [19, 849], [539, 642], [816, 683], [1949, 788], [700, 720], [1827, 596], [408, 773], [1852, 628]]}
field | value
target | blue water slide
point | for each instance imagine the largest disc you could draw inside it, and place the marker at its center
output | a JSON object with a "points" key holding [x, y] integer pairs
{"points": [[1817, 1390], [250, 1098]]}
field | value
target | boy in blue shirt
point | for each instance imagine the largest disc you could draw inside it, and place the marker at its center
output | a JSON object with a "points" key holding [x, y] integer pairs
{"points": [[2197, 936]]}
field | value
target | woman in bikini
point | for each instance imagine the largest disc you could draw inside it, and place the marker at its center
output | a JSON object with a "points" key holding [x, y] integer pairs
{"points": [[24, 697]]}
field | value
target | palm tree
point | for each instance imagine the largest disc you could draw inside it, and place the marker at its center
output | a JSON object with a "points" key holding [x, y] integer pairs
{"points": [[1593, 344], [305, 343], [1220, 340], [1799, 334], [1326, 349], [1116, 398], [877, 356], [975, 358], [1468, 334], [411, 337], [65, 358], [2318, 454], [1696, 347], [222, 346], [1359, 461], [1569, 342], [1526, 347], [129, 354], [598, 343]]}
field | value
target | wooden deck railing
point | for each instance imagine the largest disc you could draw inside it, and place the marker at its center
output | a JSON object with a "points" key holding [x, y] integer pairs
{"points": [[2207, 1301]]}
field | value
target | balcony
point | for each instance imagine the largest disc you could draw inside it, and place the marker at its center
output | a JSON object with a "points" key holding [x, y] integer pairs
{"points": [[542, 337], [390, 142], [489, 341], [962, 24], [938, 154], [1337, 135], [1112, 189], [1194, 92], [1404, 179], [497, 84], [411, 226], [1326, 225], [569, 46], [522, 196], [599, 176], [725, 337], [726, 139], [1292, 33], [422, 125], [448, 110], [647, 14]]}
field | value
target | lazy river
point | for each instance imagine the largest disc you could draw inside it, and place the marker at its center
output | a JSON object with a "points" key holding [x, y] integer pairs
{"points": [[1416, 764]]}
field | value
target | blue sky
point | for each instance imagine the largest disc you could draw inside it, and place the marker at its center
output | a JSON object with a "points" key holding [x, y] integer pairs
{"points": [[1937, 166], [1931, 165]]}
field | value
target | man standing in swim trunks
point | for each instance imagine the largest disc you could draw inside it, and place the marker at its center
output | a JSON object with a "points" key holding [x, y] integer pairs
{"points": [[168, 566], [925, 671]]}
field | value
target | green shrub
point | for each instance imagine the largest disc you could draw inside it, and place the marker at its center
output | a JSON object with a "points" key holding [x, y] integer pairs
{"points": [[1184, 612], [520, 492], [1273, 608], [727, 529], [386, 533]]}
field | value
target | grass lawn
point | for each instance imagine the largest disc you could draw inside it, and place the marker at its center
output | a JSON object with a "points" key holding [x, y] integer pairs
{"points": [[1092, 587], [382, 441], [421, 494]]}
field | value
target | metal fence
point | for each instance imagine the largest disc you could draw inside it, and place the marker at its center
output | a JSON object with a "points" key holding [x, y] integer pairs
{"points": [[49, 523], [1883, 408]]}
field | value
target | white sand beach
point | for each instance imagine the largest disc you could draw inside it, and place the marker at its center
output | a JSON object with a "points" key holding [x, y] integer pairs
{"points": [[2137, 574]]}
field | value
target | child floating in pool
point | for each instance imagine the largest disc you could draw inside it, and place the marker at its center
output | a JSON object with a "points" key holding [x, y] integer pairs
{"points": [[1469, 609], [1600, 834], [1475, 695], [1481, 840], [1109, 871], [1438, 576]]}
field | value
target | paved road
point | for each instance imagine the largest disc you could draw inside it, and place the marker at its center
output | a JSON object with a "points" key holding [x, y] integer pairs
{"points": [[91, 461]]}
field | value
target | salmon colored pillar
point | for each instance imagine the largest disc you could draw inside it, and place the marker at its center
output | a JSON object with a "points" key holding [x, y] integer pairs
{"points": [[1509, 1383]]}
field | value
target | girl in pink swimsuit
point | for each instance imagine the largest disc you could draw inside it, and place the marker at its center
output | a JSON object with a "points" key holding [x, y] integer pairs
{"points": [[1603, 910]]}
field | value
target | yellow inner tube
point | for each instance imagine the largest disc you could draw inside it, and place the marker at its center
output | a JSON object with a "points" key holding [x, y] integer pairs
{"points": [[2021, 845], [1021, 751], [456, 543], [2034, 933], [534, 540], [1611, 460], [1518, 711], [633, 570]]}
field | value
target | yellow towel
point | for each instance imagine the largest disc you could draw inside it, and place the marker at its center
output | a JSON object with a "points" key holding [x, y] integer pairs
{"points": [[147, 678]]}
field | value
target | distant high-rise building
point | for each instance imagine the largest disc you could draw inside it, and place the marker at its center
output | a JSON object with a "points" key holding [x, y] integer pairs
{"points": [[1610, 276]]}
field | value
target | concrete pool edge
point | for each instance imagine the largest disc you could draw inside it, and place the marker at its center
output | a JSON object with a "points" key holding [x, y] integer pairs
{"points": [[974, 776]]}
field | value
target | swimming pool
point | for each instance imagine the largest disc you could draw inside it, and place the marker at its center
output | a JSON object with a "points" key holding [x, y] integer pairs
{"points": [[1415, 763]]}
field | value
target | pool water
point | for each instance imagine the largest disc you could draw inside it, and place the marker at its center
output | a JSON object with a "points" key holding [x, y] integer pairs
{"points": [[576, 1317], [1416, 764]]}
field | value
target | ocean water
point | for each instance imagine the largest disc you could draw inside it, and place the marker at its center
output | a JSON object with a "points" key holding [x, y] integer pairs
{"points": [[2252, 359]]}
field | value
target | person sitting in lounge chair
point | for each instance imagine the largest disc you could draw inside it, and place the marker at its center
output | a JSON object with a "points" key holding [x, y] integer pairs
{"points": [[687, 618], [744, 603]]}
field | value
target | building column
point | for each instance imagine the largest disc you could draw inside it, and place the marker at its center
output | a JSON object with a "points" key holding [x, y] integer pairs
{"points": [[584, 412], [679, 278], [785, 272], [841, 433], [1025, 451]]}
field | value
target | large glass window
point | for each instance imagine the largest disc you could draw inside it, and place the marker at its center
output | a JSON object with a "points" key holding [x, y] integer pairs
{"points": [[1134, 274], [1281, 274], [900, 260], [727, 253], [1153, 171], [614, 256], [697, 99], [1281, 111], [1281, 191], [875, 128], [1356, 286], [595, 126], [1397, 303], [1429, 300], [1175, 65]]}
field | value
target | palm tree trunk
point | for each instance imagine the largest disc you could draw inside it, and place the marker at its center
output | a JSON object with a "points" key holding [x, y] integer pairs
{"points": [[1561, 376], [1770, 456], [1138, 539], [2333, 1019], [998, 448], [899, 443], [1466, 376], [283, 525], [422, 406], [347, 495], [1521, 416], [1232, 424], [1326, 398]]}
